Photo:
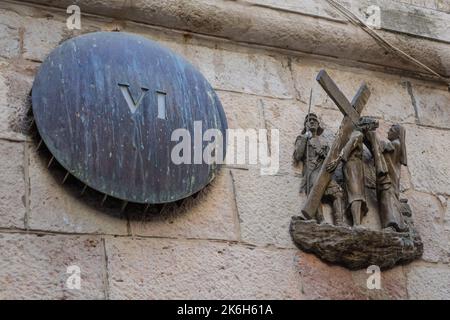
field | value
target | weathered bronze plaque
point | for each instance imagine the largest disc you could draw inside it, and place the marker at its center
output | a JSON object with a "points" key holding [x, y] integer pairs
{"points": [[106, 105]]}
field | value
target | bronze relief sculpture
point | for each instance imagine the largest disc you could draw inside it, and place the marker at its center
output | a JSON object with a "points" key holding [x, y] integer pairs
{"points": [[358, 175]]}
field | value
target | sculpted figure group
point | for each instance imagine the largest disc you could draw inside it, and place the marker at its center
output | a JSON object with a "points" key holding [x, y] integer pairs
{"points": [[346, 190], [356, 177]]}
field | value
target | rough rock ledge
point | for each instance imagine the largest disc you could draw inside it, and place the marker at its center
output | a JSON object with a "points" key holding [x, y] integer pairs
{"points": [[356, 248]]}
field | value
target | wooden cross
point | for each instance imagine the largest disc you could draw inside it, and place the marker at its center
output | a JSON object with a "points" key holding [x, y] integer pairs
{"points": [[351, 112]]}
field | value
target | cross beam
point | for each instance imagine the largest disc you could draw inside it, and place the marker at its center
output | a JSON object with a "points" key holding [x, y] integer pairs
{"points": [[337, 96], [351, 113]]}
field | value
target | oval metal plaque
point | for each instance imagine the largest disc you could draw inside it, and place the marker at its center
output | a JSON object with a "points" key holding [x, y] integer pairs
{"points": [[106, 105]]}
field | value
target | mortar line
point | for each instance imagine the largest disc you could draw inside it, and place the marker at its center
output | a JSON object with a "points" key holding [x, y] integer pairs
{"points": [[237, 218], [11, 139], [287, 98], [294, 83], [406, 283], [413, 100], [106, 273], [26, 164], [142, 237], [21, 40], [263, 125]]}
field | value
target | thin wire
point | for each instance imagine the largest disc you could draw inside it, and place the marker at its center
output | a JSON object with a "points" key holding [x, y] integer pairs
{"points": [[383, 42]]}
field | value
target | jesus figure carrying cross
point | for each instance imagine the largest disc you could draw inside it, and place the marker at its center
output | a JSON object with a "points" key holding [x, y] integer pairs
{"points": [[351, 113]]}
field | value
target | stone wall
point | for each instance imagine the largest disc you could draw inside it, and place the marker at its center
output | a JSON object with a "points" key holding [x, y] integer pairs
{"points": [[232, 240]]}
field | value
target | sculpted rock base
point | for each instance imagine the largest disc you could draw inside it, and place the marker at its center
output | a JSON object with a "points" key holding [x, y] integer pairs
{"points": [[356, 248]]}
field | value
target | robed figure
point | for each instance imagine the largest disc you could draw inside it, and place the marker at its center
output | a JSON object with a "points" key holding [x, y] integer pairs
{"points": [[310, 150], [388, 187], [351, 156]]}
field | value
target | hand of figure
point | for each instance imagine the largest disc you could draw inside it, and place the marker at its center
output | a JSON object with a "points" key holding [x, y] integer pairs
{"points": [[332, 165]]}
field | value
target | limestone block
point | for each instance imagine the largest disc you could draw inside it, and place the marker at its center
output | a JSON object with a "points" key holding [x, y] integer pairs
{"points": [[306, 7], [433, 105], [392, 284], [428, 282], [9, 36], [431, 4], [428, 219], [253, 72], [428, 159], [35, 267], [12, 185], [41, 36], [15, 85], [265, 205], [323, 281], [243, 111], [172, 269], [416, 19], [57, 207], [211, 214]]}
